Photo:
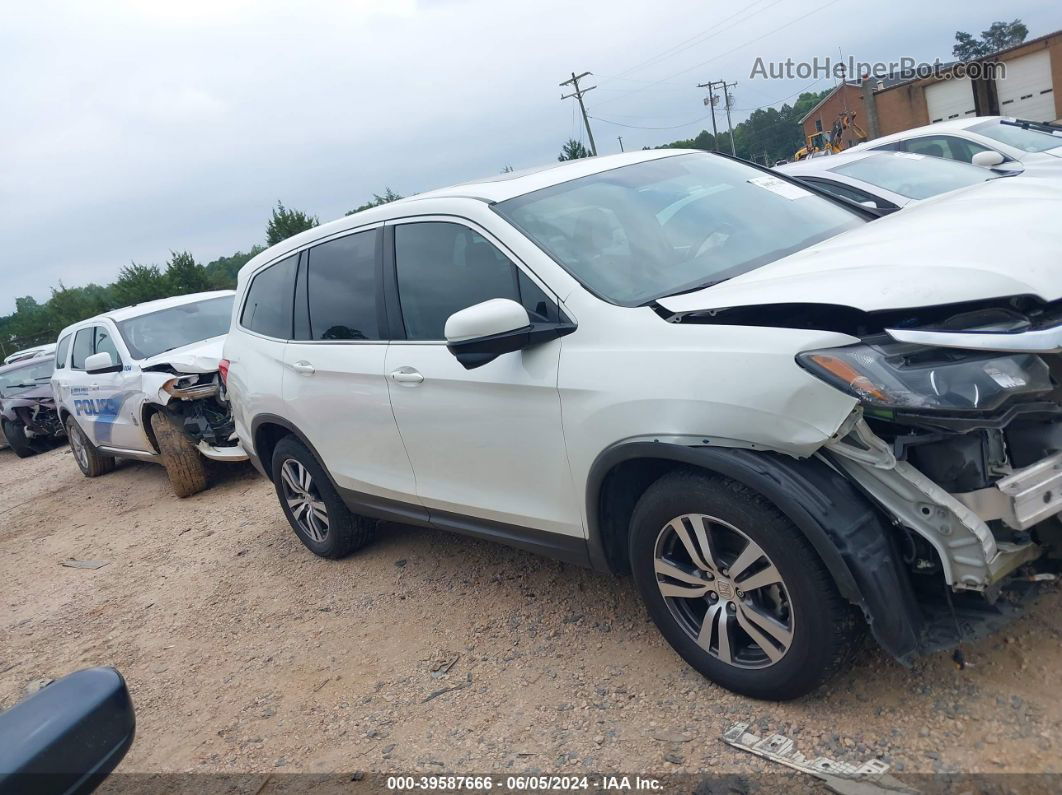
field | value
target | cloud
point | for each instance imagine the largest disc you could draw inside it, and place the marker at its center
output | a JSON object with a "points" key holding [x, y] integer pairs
{"points": [[132, 128]]}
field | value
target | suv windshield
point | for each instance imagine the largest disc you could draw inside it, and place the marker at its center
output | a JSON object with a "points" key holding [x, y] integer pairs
{"points": [[166, 329], [643, 231], [915, 176], [30, 376], [1013, 134]]}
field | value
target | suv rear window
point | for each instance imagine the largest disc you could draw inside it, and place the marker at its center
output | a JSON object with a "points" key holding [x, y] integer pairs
{"points": [[267, 309], [341, 288]]}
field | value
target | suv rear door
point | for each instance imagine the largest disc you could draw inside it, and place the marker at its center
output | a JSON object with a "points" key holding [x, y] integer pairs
{"points": [[334, 385], [487, 442]]}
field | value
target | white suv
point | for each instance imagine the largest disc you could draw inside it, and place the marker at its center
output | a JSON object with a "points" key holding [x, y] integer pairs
{"points": [[778, 415], [142, 382]]}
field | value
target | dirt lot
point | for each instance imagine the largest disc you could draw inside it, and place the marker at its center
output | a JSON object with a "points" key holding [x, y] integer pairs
{"points": [[244, 652]]}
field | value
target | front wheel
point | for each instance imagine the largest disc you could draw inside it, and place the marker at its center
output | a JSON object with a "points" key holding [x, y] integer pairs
{"points": [[736, 589], [15, 433], [91, 461], [184, 465]]}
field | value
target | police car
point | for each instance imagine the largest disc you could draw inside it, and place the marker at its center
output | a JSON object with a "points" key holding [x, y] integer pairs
{"points": [[143, 382]]}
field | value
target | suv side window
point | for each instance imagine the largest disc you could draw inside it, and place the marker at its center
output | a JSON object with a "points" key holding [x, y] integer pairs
{"points": [[267, 308], [61, 350], [104, 343], [341, 288], [946, 146], [82, 347], [445, 267]]}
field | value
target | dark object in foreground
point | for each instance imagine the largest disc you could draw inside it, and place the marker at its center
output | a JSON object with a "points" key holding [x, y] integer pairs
{"points": [[68, 736]]}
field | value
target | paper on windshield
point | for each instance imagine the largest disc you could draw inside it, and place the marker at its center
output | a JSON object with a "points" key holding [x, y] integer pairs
{"points": [[786, 190]]}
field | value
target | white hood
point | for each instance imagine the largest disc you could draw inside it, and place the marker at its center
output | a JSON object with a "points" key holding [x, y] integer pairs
{"points": [[199, 357], [995, 239]]}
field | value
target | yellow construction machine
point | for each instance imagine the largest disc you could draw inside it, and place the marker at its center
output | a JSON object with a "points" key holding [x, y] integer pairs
{"points": [[831, 142]]}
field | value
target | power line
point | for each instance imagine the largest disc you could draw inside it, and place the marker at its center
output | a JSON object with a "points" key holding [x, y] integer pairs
{"points": [[578, 94], [730, 51], [637, 127], [685, 44]]}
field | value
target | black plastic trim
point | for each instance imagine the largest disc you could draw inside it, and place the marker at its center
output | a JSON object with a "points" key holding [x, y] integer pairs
{"points": [[845, 529], [570, 549]]}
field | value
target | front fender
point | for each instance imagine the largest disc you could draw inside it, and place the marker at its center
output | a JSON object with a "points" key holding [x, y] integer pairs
{"points": [[845, 529]]}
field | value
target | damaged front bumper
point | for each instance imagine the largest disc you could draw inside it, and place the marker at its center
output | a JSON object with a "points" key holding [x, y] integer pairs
{"points": [[969, 552]]}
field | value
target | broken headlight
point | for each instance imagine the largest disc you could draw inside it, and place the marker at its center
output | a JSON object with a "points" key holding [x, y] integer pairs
{"points": [[904, 376]]}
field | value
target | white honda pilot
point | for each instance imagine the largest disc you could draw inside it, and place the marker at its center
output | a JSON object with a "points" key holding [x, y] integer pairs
{"points": [[785, 419]]}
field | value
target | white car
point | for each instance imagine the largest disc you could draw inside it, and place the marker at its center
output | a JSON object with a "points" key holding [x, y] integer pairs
{"points": [[885, 180], [142, 382], [37, 352], [998, 142], [783, 419]]}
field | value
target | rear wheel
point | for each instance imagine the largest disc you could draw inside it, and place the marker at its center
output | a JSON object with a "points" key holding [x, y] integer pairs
{"points": [[736, 589], [15, 433], [92, 462], [312, 506], [184, 464]]}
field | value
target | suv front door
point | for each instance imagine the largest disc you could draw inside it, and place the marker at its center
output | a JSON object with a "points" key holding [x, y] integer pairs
{"points": [[485, 443]]}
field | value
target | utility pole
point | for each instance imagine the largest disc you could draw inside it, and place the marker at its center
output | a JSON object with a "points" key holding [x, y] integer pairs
{"points": [[620, 139], [578, 94], [711, 100]]}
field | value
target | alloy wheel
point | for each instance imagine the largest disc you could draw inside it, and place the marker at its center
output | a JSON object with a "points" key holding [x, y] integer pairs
{"points": [[724, 591], [305, 503], [77, 445]]}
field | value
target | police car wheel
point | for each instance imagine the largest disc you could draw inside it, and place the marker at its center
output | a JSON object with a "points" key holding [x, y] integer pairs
{"points": [[91, 461], [312, 506]]}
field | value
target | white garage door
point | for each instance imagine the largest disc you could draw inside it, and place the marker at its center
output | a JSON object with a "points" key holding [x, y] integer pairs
{"points": [[1026, 91], [950, 99]]}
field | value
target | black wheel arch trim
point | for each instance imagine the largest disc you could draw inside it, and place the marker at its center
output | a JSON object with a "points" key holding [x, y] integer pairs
{"points": [[845, 529]]}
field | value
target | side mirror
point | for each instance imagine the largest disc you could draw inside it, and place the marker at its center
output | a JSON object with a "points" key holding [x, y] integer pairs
{"points": [[68, 736], [481, 333], [101, 363], [987, 159]]}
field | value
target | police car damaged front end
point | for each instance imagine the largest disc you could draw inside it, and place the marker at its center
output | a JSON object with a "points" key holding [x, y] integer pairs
{"points": [[199, 405]]}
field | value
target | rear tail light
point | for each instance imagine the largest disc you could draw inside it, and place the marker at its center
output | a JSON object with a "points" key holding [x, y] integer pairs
{"points": [[223, 371]]}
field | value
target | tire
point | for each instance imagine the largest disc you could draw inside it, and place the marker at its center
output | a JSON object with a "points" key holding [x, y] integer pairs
{"points": [[15, 433], [184, 464], [304, 489], [812, 630], [91, 462]]}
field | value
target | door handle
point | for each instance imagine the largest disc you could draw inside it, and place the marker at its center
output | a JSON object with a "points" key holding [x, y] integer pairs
{"points": [[406, 376], [303, 367]]}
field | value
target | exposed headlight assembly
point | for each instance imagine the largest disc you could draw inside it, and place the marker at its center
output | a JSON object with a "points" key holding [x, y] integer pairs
{"points": [[913, 377]]}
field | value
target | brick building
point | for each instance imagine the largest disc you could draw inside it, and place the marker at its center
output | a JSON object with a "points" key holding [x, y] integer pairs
{"points": [[1031, 89]]}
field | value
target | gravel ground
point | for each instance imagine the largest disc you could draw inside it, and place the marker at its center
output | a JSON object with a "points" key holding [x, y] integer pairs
{"points": [[434, 653]]}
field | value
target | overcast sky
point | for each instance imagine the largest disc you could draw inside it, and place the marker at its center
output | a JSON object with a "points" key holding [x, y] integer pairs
{"points": [[133, 127]]}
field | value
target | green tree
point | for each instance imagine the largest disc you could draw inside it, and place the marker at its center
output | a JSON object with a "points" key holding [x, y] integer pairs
{"points": [[221, 273], [286, 223], [30, 324], [72, 304], [139, 283], [184, 275], [573, 150], [376, 200], [999, 36]]}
